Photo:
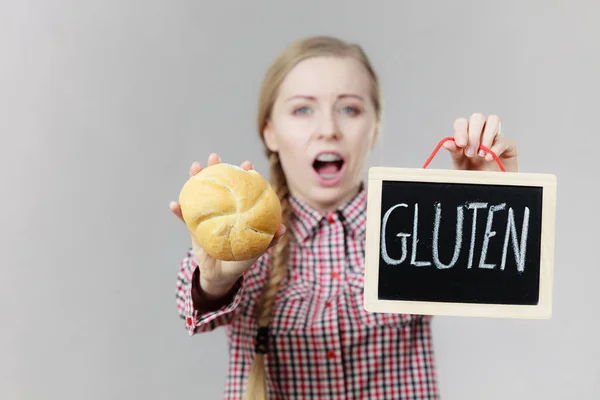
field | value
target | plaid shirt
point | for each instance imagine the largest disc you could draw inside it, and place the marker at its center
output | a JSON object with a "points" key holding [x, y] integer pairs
{"points": [[322, 343]]}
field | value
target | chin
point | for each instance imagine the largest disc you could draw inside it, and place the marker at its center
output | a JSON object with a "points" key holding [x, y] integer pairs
{"points": [[332, 196]]}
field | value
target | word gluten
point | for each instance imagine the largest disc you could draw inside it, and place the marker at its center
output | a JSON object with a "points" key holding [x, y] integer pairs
{"points": [[514, 238]]}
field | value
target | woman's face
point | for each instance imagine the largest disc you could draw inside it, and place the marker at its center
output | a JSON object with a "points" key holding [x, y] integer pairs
{"points": [[323, 125]]}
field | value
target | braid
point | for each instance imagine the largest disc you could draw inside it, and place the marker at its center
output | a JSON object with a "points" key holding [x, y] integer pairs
{"points": [[281, 249], [256, 387]]}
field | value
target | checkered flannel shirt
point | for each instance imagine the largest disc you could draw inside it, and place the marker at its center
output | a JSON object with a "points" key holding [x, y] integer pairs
{"points": [[322, 343]]}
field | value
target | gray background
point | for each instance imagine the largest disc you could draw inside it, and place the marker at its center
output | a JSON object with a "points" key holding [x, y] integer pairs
{"points": [[105, 104]]}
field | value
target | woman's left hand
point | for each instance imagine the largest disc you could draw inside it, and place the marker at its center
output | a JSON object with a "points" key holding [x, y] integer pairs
{"points": [[470, 134]]}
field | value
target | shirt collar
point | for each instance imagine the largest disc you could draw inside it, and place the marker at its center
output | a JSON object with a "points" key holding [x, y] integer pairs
{"points": [[305, 220]]}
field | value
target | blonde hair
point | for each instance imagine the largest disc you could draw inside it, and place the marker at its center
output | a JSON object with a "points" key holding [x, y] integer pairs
{"points": [[316, 46]]}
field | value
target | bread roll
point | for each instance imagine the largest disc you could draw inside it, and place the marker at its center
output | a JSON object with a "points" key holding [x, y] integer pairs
{"points": [[232, 213]]}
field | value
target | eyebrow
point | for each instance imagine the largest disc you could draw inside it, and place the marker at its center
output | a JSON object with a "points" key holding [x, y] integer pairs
{"points": [[313, 98]]}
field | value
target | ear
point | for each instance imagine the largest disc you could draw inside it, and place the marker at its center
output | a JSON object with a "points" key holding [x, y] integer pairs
{"points": [[270, 137]]}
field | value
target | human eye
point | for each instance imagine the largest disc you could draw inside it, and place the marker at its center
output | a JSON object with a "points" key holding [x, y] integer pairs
{"points": [[301, 110], [351, 110]]}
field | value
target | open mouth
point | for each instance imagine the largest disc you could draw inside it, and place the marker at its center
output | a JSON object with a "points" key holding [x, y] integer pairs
{"points": [[328, 165]]}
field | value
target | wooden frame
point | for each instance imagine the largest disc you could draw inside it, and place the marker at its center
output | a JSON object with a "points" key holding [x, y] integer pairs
{"points": [[379, 174]]}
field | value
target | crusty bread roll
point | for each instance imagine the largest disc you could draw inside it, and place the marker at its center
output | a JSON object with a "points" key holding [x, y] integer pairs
{"points": [[232, 213]]}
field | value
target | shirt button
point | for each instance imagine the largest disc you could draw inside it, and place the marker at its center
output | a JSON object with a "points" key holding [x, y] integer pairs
{"points": [[328, 304], [330, 354], [331, 217], [335, 274]]}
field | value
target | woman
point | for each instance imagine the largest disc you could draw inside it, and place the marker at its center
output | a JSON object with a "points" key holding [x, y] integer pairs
{"points": [[295, 320]]}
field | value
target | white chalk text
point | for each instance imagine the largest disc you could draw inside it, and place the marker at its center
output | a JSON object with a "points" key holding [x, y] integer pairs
{"points": [[476, 210]]}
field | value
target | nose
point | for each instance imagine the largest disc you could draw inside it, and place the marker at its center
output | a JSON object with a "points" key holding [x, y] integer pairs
{"points": [[328, 128]]}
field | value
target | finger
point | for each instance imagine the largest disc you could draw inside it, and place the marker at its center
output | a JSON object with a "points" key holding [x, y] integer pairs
{"points": [[500, 147], [195, 168], [461, 136], [476, 125], [176, 209], [451, 146], [280, 231], [213, 159], [247, 165], [278, 235], [489, 133]]}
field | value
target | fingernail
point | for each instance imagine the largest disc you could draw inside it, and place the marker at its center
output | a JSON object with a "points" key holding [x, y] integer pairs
{"points": [[470, 151], [481, 153]]}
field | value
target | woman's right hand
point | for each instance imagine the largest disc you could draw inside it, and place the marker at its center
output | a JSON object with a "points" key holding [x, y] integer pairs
{"points": [[217, 277]]}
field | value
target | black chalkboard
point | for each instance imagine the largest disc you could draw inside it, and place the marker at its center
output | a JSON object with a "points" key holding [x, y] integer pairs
{"points": [[500, 257]]}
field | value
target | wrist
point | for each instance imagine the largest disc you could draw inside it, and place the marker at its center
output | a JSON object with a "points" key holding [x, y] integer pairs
{"points": [[213, 289]]}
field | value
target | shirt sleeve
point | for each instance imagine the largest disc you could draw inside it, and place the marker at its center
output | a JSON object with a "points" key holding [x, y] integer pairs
{"points": [[203, 315], [199, 313]]}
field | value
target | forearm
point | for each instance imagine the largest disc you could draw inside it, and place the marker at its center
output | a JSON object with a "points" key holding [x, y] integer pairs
{"points": [[208, 296], [215, 289], [204, 311], [214, 292]]}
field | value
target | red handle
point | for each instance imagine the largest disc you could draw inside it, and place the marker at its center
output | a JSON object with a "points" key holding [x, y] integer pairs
{"points": [[481, 147]]}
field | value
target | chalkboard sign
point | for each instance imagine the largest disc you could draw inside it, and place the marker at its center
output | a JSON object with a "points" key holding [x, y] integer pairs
{"points": [[465, 243]]}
